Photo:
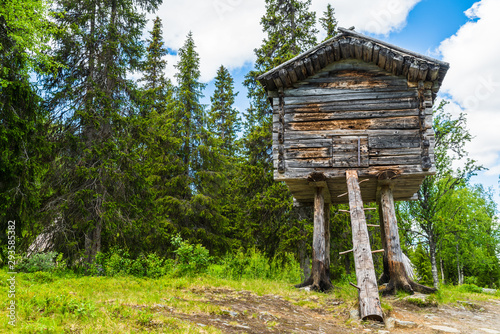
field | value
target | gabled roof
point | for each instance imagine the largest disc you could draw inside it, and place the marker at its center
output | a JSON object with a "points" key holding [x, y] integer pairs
{"points": [[349, 44]]}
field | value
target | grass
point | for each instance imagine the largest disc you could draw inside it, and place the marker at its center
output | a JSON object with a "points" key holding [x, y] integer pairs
{"points": [[50, 303], [67, 303]]}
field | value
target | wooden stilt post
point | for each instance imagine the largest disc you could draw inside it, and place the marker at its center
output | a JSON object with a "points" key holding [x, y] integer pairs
{"points": [[320, 273], [327, 237], [393, 256], [369, 301]]}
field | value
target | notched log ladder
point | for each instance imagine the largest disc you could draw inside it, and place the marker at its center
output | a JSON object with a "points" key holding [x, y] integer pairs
{"points": [[369, 301]]}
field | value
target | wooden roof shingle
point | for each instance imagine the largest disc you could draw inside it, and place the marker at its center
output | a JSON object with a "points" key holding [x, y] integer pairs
{"points": [[349, 44]]}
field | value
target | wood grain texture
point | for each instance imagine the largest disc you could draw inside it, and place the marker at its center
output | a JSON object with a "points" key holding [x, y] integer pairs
{"points": [[369, 301]]}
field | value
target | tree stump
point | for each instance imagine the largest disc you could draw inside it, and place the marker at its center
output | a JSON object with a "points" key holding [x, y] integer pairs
{"points": [[394, 271]]}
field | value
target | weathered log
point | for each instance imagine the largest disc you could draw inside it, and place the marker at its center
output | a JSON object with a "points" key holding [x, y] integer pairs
{"points": [[393, 256], [320, 274], [369, 301]]}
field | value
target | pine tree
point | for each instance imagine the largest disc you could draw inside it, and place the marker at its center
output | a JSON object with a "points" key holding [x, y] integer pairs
{"points": [[223, 119], [329, 22], [92, 94]]}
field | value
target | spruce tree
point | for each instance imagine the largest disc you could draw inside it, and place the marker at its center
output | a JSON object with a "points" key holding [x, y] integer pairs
{"points": [[290, 29], [223, 119], [190, 113], [99, 46], [25, 125], [157, 89], [329, 22]]}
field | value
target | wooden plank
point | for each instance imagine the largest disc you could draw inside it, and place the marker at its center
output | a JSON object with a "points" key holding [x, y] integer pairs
{"points": [[394, 152], [349, 97], [369, 302], [346, 87], [315, 62], [368, 105], [394, 141], [409, 122], [395, 160], [322, 57], [329, 54], [382, 57], [308, 152], [307, 143], [336, 115], [300, 70]]}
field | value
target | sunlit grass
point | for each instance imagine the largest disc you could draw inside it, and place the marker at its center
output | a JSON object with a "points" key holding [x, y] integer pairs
{"points": [[52, 303]]}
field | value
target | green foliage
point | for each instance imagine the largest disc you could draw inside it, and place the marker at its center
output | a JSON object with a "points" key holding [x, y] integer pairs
{"points": [[420, 260], [43, 262], [472, 288], [329, 22], [252, 264], [191, 259], [223, 120], [118, 262]]}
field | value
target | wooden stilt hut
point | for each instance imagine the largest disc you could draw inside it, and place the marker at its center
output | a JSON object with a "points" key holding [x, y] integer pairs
{"points": [[354, 107]]}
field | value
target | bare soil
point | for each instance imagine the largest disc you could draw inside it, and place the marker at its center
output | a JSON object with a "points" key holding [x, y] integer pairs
{"points": [[246, 312]]}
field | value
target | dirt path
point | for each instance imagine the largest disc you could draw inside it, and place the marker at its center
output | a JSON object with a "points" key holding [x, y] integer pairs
{"points": [[246, 312]]}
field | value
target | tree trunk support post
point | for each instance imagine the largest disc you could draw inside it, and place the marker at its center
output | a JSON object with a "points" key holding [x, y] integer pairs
{"points": [[320, 273], [369, 301], [394, 271]]}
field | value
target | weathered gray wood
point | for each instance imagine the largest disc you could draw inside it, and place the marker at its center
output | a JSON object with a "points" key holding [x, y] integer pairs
{"points": [[345, 48], [346, 115], [393, 256], [358, 48], [394, 141], [349, 97], [408, 122], [315, 62], [369, 301], [367, 51], [321, 278], [309, 67], [375, 56]]}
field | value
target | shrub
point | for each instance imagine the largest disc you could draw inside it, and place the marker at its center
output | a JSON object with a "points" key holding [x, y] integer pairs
{"points": [[118, 263], [470, 288], [191, 259], [45, 262], [252, 264]]}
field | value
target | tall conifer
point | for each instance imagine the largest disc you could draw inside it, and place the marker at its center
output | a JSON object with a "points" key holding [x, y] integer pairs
{"points": [[290, 29], [223, 119], [329, 22], [92, 94]]}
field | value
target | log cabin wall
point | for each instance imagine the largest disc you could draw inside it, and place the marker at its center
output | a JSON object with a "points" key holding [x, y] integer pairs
{"points": [[354, 103]]}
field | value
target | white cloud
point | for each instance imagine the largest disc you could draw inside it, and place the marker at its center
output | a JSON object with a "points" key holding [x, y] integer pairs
{"points": [[227, 31], [369, 16], [473, 80]]}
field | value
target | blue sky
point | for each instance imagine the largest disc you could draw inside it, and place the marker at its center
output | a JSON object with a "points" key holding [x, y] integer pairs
{"points": [[460, 32]]}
